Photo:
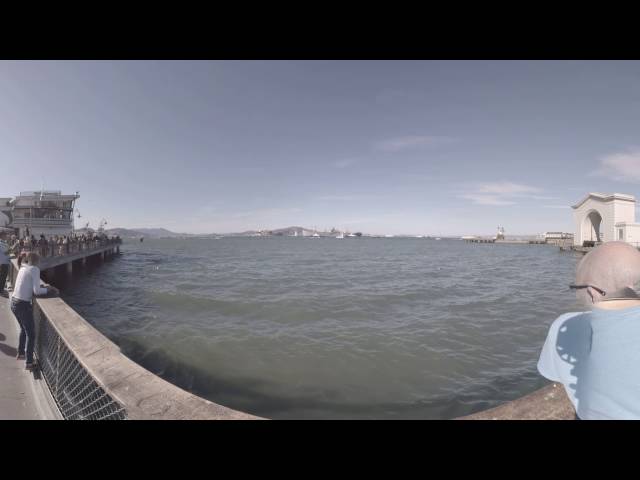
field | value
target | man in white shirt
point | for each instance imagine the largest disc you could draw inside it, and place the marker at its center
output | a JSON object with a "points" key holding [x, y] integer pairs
{"points": [[27, 285], [595, 354]]}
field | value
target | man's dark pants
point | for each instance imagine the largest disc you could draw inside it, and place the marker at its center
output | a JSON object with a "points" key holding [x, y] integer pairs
{"points": [[23, 312], [4, 271]]}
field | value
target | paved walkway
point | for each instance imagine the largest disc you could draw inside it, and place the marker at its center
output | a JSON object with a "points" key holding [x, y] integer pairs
{"points": [[21, 397]]}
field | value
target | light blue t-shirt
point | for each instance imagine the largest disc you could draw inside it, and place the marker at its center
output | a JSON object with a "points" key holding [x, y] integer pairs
{"points": [[596, 356]]}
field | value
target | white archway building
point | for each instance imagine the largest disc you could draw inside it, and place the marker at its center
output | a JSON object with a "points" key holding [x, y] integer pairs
{"points": [[604, 217]]}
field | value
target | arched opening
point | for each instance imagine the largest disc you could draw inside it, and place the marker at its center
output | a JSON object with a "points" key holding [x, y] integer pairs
{"points": [[591, 227]]}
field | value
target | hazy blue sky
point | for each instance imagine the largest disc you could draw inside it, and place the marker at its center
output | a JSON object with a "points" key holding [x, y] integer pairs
{"points": [[382, 147]]}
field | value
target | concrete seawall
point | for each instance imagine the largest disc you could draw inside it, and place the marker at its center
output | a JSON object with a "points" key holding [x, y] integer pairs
{"points": [[141, 394], [548, 403]]}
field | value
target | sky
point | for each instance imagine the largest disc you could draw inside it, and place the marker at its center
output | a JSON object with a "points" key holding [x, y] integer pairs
{"points": [[387, 147]]}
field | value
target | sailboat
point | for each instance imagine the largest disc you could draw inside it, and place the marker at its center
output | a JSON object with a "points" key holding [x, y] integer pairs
{"points": [[340, 235]]}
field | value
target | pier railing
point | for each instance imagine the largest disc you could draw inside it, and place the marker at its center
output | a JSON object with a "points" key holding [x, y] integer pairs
{"points": [[77, 395], [61, 250], [90, 379]]}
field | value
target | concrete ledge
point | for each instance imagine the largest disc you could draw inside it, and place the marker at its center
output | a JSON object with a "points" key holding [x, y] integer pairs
{"points": [[548, 403], [143, 395]]}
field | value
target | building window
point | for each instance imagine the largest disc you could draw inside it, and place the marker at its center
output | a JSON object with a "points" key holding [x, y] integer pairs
{"points": [[620, 235]]}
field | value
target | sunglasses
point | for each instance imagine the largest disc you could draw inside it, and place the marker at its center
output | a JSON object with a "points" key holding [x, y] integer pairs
{"points": [[578, 287]]}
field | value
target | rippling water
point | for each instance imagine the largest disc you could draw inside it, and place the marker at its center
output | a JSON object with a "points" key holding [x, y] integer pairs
{"points": [[324, 328]]}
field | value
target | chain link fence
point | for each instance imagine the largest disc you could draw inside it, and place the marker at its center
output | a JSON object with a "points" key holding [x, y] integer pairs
{"points": [[76, 393]]}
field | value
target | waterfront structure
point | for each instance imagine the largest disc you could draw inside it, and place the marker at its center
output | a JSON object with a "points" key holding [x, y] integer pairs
{"points": [[556, 235], [5, 213], [42, 212], [561, 239], [601, 217]]}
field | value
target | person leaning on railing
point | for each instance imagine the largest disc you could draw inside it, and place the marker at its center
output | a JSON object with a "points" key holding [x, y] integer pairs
{"points": [[27, 285]]}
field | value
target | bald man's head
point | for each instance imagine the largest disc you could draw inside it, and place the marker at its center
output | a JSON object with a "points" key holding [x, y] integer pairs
{"points": [[612, 267]]}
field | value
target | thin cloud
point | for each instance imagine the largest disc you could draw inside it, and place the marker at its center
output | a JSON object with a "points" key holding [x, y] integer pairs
{"points": [[345, 162], [375, 219], [346, 198], [506, 188], [502, 193], [265, 212], [621, 167], [480, 199], [411, 142]]}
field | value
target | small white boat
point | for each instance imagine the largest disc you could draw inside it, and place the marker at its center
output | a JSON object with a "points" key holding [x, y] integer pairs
{"points": [[340, 235]]}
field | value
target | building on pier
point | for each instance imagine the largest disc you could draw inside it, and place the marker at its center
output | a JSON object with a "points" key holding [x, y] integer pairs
{"points": [[5, 212], [603, 218], [42, 212]]}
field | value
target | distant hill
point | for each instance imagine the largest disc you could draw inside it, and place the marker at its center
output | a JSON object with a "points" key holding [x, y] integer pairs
{"points": [[123, 232], [160, 233], [164, 233], [145, 232], [280, 232]]}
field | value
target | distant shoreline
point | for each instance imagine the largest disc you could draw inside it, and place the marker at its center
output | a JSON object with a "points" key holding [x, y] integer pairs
{"points": [[284, 232]]}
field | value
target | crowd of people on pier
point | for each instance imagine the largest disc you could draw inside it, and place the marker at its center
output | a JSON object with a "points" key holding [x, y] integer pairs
{"points": [[58, 245]]}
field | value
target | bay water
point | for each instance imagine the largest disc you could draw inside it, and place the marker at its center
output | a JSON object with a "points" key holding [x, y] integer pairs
{"points": [[325, 328]]}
